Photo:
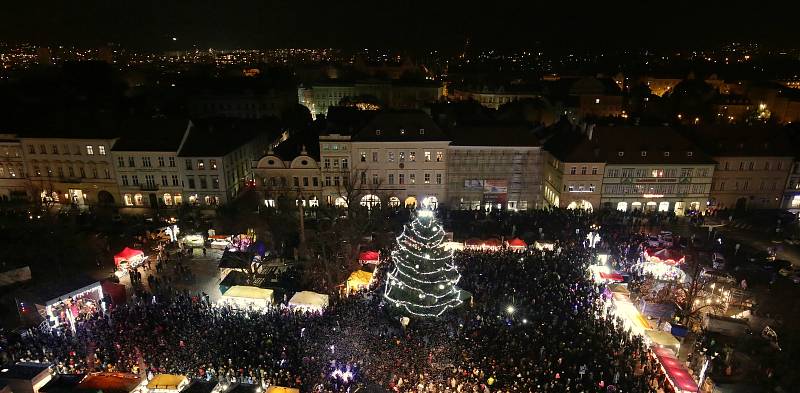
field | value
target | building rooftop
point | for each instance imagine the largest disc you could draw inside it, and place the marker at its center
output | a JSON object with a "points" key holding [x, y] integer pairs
{"points": [[493, 135], [160, 134], [743, 141], [216, 137], [401, 126], [626, 145]]}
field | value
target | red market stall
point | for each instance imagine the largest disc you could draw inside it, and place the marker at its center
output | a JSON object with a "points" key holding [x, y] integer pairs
{"points": [[369, 256], [677, 374], [667, 256], [517, 244], [132, 256], [472, 244], [612, 277]]}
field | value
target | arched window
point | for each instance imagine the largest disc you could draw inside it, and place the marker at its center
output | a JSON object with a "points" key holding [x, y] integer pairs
{"points": [[622, 206], [138, 200], [340, 202], [369, 201], [168, 199], [394, 201], [430, 202]]}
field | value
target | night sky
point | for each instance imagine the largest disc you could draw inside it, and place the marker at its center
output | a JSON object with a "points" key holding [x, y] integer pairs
{"points": [[411, 24]]}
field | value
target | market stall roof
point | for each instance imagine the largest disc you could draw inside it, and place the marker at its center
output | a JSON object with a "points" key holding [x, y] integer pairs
{"points": [[110, 383], [612, 276], [517, 242], [127, 254], [281, 389], [60, 298], [62, 383], [544, 245], [167, 381], [369, 256], [198, 386], [247, 292], [358, 279], [24, 370], [619, 288], [669, 256], [309, 300], [677, 373], [663, 339], [453, 246], [492, 242], [236, 260]]}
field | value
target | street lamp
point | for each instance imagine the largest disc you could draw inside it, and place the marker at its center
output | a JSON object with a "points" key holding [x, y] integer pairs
{"points": [[510, 309]]}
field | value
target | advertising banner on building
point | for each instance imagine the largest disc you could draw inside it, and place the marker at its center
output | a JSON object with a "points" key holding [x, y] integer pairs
{"points": [[473, 185], [495, 191]]}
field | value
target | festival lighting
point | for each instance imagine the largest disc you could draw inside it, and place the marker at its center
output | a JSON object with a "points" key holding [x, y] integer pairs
{"points": [[423, 279]]}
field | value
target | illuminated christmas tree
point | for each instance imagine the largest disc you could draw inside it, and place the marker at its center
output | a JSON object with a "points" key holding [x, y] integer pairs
{"points": [[423, 280]]}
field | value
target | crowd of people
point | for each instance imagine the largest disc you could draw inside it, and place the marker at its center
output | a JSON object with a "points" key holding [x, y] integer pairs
{"points": [[535, 323]]}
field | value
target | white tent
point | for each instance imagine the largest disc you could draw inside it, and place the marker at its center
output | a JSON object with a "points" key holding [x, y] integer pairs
{"points": [[309, 301], [240, 296]]}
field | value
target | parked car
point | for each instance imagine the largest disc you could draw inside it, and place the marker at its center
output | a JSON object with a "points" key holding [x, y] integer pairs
{"points": [[792, 273]]}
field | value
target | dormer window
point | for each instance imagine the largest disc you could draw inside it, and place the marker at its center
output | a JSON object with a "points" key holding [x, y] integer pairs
{"points": [[377, 132], [402, 131], [422, 131], [689, 154], [620, 153], [666, 154], [644, 153]]}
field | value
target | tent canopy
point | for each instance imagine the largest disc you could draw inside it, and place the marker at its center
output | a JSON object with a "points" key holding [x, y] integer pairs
{"points": [[665, 255], [517, 242], [127, 254], [492, 242], [281, 389], [358, 279], [309, 300], [167, 381], [677, 373], [663, 339], [247, 292], [369, 256]]}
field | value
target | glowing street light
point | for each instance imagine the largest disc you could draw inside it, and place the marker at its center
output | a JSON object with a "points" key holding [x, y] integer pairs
{"points": [[510, 309]]}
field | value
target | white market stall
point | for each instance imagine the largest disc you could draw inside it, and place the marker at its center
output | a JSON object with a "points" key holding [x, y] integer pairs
{"points": [[661, 339], [193, 241], [544, 245], [66, 309], [244, 297], [167, 383], [453, 246], [309, 301]]}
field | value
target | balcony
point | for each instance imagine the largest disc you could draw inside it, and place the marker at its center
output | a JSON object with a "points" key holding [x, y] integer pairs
{"points": [[148, 187]]}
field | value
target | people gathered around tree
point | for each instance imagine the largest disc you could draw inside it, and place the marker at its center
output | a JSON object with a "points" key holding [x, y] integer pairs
{"points": [[535, 323]]}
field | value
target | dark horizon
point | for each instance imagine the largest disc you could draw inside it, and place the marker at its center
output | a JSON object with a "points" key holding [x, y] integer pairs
{"points": [[412, 25]]}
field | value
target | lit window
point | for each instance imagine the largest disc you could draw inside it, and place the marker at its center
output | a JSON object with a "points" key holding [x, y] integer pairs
{"points": [[439, 156], [596, 100], [427, 156], [89, 150], [101, 150]]}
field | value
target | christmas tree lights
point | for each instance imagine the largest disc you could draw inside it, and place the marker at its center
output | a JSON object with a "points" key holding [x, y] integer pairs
{"points": [[423, 280]]}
